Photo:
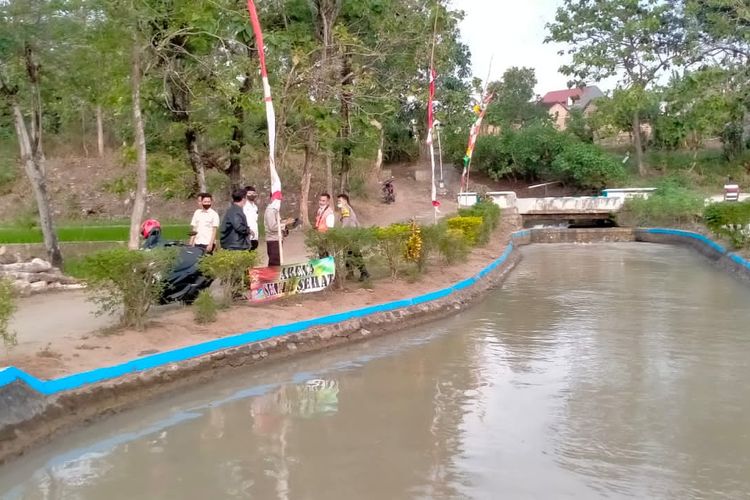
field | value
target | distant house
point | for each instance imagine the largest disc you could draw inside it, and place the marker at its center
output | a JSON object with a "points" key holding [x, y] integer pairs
{"points": [[560, 102]]}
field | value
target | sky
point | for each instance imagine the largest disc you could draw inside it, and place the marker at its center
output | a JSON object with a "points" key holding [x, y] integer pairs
{"points": [[511, 33]]}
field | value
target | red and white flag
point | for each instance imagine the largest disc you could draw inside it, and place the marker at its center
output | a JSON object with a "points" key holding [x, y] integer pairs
{"points": [[430, 126], [270, 115]]}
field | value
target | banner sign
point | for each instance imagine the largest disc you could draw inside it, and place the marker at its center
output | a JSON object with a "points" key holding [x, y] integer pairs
{"points": [[268, 283]]}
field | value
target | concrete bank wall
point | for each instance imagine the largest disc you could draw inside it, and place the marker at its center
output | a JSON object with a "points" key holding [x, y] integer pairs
{"points": [[716, 253], [34, 410]]}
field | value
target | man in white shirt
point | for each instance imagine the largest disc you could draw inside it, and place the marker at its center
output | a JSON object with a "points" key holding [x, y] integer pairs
{"points": [[251, 214], [205, 223]]}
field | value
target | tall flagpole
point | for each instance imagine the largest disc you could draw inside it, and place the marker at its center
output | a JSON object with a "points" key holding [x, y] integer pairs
{"points": [[430, 120], [270, 119]]}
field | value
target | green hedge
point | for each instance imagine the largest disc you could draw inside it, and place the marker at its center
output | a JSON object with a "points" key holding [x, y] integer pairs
{"points": [[470, 227], [490, 214]]}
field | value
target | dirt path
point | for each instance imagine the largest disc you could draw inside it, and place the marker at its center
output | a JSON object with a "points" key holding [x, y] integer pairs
{"points": [[62, 326]]}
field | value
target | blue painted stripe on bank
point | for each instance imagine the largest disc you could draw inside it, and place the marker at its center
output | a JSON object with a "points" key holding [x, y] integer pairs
{"points": [[77, 380], [738, 259]]}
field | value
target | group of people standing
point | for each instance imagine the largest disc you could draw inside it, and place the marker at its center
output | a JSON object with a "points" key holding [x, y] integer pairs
{"points": [[239, 229]]}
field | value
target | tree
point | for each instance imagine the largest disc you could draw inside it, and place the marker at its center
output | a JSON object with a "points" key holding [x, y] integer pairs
{"points": [[20, 74], [636, 40], [513, 101], [615, 113], [723, 30], [697, 104], [578, 124]]}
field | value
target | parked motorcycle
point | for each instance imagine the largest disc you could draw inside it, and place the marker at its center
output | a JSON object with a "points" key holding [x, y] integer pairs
{"points": [[184, 281], [389, 191]]}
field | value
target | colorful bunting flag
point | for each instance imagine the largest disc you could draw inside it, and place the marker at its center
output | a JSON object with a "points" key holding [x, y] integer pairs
{"points": [[473, 134]]}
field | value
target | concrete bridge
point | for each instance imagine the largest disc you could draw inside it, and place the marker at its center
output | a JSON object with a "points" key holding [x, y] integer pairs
{"points": [[570, 208]]}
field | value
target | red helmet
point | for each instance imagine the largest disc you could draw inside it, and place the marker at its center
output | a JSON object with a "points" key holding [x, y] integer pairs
{"points": [[148, 226]]}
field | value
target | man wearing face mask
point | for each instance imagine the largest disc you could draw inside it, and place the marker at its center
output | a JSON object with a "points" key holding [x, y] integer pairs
{"points": [[251, 214], [234, 230], [271, 221], [205, 222]]}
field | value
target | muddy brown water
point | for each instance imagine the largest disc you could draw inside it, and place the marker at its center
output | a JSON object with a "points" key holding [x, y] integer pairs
{"points": [[601, 371]]}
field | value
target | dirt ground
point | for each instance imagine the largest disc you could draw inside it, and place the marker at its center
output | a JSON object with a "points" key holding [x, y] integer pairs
{"points": [[59, 334], [170, 329]]}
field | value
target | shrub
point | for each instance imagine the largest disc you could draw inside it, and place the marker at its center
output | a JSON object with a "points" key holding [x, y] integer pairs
{"points": [[730, 220], [452, 246], [7, 308], [492, 155], [338, 243], [413, 248], [587, 166], [534, 148], [670, 204], [205, 308], [130, 280], [230, 268], [490, 214], [391, 243], [470, 227]]}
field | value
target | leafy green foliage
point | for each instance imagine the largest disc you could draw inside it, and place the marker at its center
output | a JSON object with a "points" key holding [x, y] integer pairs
{"points": [[205, 308], [587, 166], [452, 245], [230, 268], [672, 204], [490, 214], [730, 220], [697, 105], [579, 125], [540, 152], [7, 308], [513, 101], [527, 152], [337, 243], [391, 243], [129, 281], [470, 227]]}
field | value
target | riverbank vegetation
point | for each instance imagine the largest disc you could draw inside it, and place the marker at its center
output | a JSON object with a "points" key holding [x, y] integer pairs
{"points": [[406, 250]]}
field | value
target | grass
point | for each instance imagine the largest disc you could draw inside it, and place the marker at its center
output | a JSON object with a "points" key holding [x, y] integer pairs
{"points": [[86, 233]]}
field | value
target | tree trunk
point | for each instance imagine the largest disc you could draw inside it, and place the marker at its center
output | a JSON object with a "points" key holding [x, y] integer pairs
{"points": [[141, 191], [304, 214], [196, 163], [329, 175], [638, 144], [347, 78], [100, 131], [83, 134], [32, 71], [35, 173], [238, 135], [235, 148], [379, 156]]}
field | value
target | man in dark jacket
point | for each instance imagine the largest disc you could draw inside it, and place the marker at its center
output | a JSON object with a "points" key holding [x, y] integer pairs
{"points": [[234, 228]]}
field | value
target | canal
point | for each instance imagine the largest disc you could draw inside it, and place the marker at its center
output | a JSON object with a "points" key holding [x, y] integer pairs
{"points": [[597, 371]]}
